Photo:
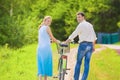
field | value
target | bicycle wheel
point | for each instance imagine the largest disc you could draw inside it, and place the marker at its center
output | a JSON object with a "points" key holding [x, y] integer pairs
{"points": [[63, 74], [60, 68]]}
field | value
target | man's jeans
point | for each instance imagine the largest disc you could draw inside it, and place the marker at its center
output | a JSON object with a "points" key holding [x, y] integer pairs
{"points": [[85, 49]]}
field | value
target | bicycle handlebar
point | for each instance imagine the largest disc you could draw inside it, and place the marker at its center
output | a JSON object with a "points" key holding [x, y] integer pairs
{"points": [[63, 45]]}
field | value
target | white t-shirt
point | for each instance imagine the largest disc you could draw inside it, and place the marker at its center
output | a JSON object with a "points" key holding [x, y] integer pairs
{"points": [[85, 32]]}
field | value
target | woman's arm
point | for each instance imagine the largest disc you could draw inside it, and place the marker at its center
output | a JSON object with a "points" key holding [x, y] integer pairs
{"points": [[51, 35]]}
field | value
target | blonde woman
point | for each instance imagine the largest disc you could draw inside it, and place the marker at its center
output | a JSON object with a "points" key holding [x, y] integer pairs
{"points": [[44, 53]]}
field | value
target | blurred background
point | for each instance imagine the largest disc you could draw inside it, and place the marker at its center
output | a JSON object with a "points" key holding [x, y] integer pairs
{"points": [[19, 21]]}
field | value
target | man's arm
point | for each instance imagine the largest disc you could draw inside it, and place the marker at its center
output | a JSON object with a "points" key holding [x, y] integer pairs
{"points": [[95, 38], [74, 34]]}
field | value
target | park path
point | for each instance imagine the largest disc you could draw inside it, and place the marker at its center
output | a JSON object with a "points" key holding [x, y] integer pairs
{"points": [[71, 63], [115, 47], [72, 58]]}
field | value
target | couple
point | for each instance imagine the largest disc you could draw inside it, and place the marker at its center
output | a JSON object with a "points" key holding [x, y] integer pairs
{"points": [[87, 38]]}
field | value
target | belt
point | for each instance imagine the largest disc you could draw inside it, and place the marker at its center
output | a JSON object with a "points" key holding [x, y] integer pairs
{"points": [[85, 42]]}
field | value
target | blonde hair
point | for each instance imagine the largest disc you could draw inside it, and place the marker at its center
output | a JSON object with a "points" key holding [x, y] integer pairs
{"points": [[45, 18]]}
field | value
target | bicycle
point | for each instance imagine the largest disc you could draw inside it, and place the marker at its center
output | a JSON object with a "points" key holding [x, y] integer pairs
{"points": [[62, 64]]}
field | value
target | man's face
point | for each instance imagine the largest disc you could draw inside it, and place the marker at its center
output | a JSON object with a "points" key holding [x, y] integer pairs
{"points": [[80, 18]]}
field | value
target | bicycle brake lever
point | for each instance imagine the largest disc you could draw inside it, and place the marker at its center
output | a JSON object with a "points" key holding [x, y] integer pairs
{"points": [[68, 69], [55, 77]]}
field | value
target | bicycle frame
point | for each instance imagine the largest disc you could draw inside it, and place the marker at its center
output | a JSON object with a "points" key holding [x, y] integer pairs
{"points": [[62, 65]]}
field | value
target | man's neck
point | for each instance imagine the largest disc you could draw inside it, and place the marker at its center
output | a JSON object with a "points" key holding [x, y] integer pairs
{"points": [[82, 20]]}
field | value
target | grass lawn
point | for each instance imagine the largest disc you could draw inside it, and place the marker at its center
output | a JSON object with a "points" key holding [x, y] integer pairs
{"points": [[20, 64], [105, 65]]}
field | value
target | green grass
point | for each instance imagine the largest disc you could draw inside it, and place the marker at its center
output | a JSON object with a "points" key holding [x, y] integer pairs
{"points": [[105, 66], [20, 64]]}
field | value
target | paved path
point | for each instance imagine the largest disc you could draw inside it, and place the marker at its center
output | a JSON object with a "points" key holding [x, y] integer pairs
{"points": [[71, 64], [115, 47]]}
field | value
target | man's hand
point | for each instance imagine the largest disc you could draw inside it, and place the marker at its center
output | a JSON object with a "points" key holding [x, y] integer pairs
{"points": [[67, 41], [93, 48], [94, 45], [58, 41]]}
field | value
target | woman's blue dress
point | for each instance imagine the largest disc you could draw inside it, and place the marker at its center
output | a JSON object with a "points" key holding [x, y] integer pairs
{"points": [[44, 52]]}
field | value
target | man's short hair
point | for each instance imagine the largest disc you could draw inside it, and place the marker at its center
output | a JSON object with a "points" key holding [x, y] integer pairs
{"points": [[81, 13]]}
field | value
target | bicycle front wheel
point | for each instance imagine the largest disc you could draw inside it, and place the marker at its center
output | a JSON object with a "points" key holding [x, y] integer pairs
{"points": [[63, 75], [60, 68]]}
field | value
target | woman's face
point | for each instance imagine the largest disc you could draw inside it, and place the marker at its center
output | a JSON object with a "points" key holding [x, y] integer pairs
{"points": [[48, 21]]}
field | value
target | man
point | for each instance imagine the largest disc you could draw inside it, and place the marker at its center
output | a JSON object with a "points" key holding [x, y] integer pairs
{"points": [[87, 38]]}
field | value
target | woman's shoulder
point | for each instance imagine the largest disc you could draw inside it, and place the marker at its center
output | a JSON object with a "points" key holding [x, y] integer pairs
{"points": [[43, 26]]}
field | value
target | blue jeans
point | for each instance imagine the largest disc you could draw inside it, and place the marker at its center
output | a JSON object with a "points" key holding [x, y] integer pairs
{"points": [[85, 50]]}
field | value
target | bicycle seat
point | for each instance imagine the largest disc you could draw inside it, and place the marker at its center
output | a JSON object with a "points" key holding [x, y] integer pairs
{"points": [[63, 45]]}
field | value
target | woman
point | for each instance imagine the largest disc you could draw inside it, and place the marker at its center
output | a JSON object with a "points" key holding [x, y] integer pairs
{"points": [[44, 53]]}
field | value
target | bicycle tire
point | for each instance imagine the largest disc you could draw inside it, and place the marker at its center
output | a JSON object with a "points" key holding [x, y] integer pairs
{"points": [[60, 68], [62, 71], [63, 75]]}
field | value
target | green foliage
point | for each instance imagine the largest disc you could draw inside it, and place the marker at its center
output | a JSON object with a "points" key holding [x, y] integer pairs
{"points": [[11, 33], [23, 18], [118, 24], [117, 43]]}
